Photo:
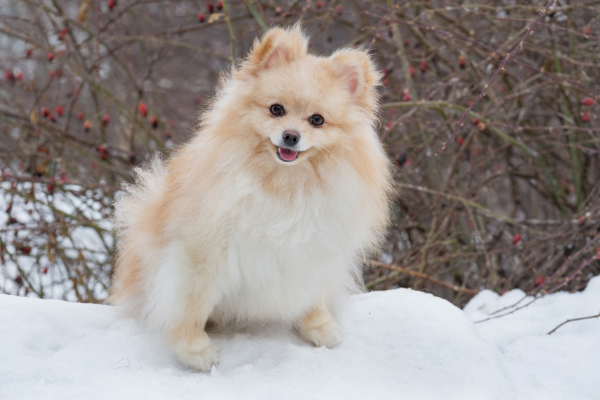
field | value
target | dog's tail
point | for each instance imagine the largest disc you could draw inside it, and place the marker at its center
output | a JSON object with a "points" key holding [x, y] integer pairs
{"points": [[131, 215]]}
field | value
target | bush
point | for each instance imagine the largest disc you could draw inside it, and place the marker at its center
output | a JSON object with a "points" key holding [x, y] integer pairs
{"points": [[93, 88]]}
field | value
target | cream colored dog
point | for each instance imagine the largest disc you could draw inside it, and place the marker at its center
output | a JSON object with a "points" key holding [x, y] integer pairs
{"points": [[265, 214]]}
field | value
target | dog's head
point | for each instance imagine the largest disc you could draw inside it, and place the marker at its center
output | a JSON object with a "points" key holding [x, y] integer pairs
{"points": [[300, 105]]}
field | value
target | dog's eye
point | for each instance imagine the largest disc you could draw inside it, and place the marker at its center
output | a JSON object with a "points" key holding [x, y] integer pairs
{"points": [[277, 110], [316, 120]]}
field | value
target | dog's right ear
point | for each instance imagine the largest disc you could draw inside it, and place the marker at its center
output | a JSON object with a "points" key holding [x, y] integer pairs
{"points": [[277, 47]]}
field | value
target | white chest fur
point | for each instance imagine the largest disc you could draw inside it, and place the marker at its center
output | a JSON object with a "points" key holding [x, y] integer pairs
{"points": [[282, 258]]}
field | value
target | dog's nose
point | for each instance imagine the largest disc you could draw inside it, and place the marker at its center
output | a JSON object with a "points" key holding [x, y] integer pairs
{"points": [[291, 138]]}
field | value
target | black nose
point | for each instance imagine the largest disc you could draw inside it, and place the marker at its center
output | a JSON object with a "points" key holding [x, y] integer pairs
{"points": [[291, 138]]}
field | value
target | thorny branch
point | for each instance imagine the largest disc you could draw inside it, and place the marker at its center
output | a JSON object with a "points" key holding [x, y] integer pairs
{"points": [[515, 204]]}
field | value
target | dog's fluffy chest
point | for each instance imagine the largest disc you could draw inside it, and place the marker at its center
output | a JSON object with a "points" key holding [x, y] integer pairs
{"points": [[280, 256]]}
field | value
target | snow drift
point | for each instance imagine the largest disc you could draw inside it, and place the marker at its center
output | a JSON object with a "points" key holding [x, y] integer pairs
{"points": [[399, 344], [563, 365]]}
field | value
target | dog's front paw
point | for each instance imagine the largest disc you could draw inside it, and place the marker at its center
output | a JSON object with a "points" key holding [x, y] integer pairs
{"points": [[199, 353], [320, 329], [202, 360]]}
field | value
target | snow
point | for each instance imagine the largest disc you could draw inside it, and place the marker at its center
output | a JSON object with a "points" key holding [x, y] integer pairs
{"points": [[399, 344], [563, 365]]}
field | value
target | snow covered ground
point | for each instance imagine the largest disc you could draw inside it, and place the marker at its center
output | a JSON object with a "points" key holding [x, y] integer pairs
{"points": [[563, 365], [399, 344]]}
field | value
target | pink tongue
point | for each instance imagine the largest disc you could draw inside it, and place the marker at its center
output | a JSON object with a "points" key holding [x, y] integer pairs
{"points": [[287, 154]]}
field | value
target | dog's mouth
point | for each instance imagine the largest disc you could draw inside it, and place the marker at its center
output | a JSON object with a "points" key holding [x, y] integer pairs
{"points": [[287, 155]]}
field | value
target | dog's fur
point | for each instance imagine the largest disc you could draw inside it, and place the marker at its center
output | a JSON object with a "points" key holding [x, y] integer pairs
{"points": [[226, 232]]}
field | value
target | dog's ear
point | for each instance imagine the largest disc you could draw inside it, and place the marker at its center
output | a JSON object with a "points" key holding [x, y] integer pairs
{"points": [[359, 75], [278, 46]]}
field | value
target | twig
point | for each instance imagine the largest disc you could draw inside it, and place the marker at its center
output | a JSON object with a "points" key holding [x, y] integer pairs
{"points": [[500, 68], [544, 293], [574, 319], [422, 276], [231, 32]]}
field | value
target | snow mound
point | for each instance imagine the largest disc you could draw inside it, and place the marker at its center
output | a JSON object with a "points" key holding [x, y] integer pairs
{"points": [[563, 365], [399, 344]]}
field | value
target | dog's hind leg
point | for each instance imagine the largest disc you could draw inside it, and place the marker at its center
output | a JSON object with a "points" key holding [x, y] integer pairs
{"points": [[182, 299], [193, 346]]}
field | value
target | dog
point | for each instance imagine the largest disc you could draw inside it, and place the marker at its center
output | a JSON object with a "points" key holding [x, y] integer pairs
{"points": [[264, 216]]}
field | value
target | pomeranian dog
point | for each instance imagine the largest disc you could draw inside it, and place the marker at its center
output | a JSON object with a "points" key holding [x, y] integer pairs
{"points": [[265, 214]]}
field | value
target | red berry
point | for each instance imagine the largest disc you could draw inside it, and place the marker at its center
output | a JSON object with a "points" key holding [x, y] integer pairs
{"points": [[9, 76], [102, 150], [62, 34], [80, 116], [63, 176], [29, 51], [411, 71], [460, 140], [201, 17], [25, 250], [45, 270], [220, 5], [540, 280], [516, 238], [50, 57], [462, 61], [87, 125], [111, 4], [586, 116], [105, 119], [143, 109], [597, 252], [19, 75], [339, 8], [475, 121], [45, 112], [406, 95], [209, 7], [588, 101], [319, 4], [51, 117], [59, 111], [278, 11], [154, 122], [423, 65], [587, 30]]}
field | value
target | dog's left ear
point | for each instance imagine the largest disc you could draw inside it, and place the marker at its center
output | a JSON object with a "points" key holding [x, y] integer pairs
{"points": [[359, 75], [277, 47]]}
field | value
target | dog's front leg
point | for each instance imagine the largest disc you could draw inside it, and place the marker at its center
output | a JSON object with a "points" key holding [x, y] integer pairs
{"points": [[319, 328]]}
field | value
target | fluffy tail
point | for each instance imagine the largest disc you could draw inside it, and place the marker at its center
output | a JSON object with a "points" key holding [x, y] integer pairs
{"points": [[132, 219]]}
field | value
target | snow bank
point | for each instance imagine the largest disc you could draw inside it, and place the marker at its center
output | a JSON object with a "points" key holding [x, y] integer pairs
{"points": [[399, 344], [564, 365]]}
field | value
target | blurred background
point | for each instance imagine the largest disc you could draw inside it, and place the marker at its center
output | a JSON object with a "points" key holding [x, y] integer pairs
{"points": [[92, 88]]}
